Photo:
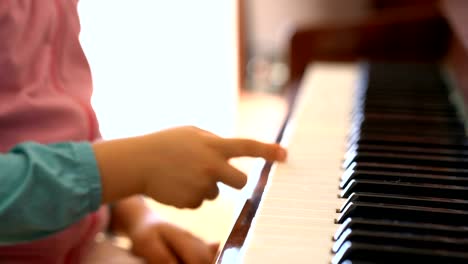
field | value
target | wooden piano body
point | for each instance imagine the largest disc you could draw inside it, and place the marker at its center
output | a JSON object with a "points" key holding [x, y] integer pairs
{"points": [[427, 33]]}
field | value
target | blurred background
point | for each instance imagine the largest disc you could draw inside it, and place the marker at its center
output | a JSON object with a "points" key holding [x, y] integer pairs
{"points": [[269, 26], [158, 64]]}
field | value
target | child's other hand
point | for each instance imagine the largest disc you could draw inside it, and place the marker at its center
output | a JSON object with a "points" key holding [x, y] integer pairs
{"points": [[162, 242], [179, 166]]}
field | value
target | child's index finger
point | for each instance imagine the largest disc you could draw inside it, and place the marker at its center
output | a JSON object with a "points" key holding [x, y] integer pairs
{"points": [[237, 147]]}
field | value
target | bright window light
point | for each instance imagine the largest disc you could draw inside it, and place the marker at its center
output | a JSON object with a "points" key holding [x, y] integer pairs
{"points": [[159, 64]]}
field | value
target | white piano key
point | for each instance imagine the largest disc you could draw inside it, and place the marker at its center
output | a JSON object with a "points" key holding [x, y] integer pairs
{"points": [[295, 219]]}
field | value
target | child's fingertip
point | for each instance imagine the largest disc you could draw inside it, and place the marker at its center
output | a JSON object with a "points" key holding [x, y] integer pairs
{"points": [[281, 154]]}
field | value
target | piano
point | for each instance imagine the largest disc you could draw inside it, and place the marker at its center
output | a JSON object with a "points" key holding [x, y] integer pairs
{"points": [[378, 152]]}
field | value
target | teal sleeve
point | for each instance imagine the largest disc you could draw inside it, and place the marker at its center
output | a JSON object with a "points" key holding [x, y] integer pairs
{"points": [[45, 188]]}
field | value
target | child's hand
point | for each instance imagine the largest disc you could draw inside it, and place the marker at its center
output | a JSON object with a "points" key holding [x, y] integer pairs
{"points": [[162, 242], [179, 166]]}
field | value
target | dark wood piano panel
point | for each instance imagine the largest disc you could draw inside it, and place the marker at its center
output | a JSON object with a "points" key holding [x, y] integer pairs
{"points": [[436, 32], [418, 33]]}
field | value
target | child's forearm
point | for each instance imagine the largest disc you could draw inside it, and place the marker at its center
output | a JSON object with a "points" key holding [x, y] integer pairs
{"points": [[114, 163]]}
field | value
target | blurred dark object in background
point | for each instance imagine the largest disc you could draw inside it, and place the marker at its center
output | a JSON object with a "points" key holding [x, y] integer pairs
{"points": [[272, 34]]}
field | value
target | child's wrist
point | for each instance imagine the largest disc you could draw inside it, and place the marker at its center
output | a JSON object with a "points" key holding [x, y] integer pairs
{"points": [[118, 176]]}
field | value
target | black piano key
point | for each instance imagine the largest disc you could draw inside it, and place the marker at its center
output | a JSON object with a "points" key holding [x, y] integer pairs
{"points": [[353, 150], [415, 177], [361, 105], [409, 159], [400, 105], [406, 180], [429, 202], [403, 188], [365, 107], [398, 86], [410, 140], [412, 91], [365, 104], [409, 96], [411, 240], [411, 119], [399, 129], [402, 227], [432, 103], [419, 150], [400, 98], [368, 252], [390, 130], [415, 124], [437, 110], [403, 213], [388, 167]]}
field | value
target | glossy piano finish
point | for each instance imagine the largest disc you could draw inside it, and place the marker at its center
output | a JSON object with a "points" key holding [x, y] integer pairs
{"points": [[234, 244], [410, 33], [231, 251]]}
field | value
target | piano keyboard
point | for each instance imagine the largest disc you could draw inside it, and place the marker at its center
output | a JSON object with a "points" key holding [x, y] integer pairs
{"points": [[294, 222], [377, 172]]}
